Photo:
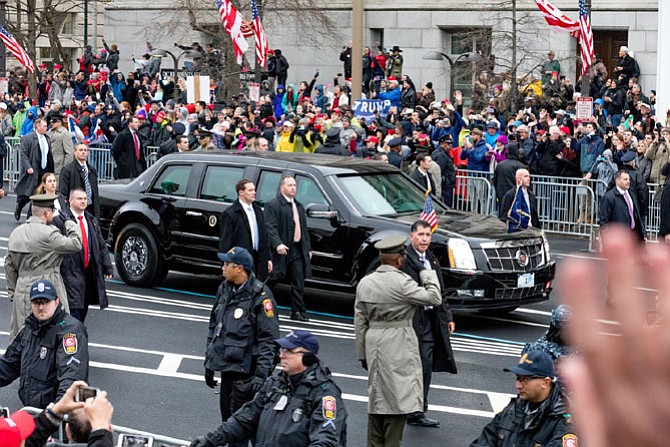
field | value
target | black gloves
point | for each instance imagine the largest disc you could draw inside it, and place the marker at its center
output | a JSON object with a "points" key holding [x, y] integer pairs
{"points": [[364, 364], [256, 384], [201, 441], [210, 381]]}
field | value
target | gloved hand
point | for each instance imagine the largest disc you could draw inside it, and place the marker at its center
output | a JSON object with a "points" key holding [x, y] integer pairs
{"points": [[209, 379], [415, 264], [364, 364], [256, 384], [201, 441]]}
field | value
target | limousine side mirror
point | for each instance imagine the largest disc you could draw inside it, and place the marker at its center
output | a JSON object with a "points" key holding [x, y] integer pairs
{"points": [[320, 211]]}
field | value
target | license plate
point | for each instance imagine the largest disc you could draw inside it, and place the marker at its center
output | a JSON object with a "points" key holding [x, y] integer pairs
{"points": [[526, 280]]}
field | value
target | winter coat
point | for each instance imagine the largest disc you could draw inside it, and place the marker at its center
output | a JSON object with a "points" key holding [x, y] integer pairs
{"points": [[386, 300], [31, 157], [280, 226], [61, 148], [277, 102], [476, 157], [613, 209], [35, 251], [658, 154], [72, 268]]}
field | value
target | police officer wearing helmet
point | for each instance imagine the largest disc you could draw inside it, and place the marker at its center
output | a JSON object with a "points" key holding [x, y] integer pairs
{"points": [[49, 353], [299, 406], [538, 415], [243, 326]]}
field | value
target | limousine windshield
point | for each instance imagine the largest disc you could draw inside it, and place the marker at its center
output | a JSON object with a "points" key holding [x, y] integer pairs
{"points": [[387, 194]]}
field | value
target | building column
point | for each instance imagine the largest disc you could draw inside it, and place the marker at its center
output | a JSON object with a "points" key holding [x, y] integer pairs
{"points": [[663, 62]]}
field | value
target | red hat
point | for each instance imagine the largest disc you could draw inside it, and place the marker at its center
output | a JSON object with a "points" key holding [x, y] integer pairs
{"points": [[564, 129], [57, 66], [190, 108], [16, 428], [373, 139], [160, 116], [210, 106], [554, 73], [141, 114], [43, 65], [541, 132], [390, 131], [271, 51], [392, 78]]}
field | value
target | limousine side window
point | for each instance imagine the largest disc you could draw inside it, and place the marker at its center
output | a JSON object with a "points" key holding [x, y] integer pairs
{"points": [[219, 183], [173, 180], [308, 191], [268, 186]]}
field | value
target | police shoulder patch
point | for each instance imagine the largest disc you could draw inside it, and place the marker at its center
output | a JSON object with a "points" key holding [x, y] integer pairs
{"points": [[70, 344], [570, 440], [268, 308], [329, 405]]}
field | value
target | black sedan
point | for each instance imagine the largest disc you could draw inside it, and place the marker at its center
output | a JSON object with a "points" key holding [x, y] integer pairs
{"points": [[168, 219]]}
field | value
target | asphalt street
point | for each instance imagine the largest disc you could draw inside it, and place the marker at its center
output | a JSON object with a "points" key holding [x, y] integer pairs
{"points": [[147, 351]]}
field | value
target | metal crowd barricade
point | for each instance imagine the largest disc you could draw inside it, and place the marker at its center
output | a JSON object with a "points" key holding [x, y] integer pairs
{"points": [[159, 441], [151, 155], [474, 192], [653, 221], [100, 156], [11, 163]]}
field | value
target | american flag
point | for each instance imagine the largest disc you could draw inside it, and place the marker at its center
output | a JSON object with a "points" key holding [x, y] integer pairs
{"points": [[19, 53], [428, 214], [259, 34], [232, 24], [585, 38], [556, 17]]}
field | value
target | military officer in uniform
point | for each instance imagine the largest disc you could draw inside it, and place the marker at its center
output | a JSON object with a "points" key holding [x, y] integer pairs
{"points": [[386, 301], [50, 351], [433, 324], [35, 250], [243, 327], [299, 406]]}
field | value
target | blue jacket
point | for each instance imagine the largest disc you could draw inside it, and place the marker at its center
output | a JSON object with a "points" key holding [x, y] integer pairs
{"points": [[590, 148], [476, 157], [391, 95], [276, 102]]}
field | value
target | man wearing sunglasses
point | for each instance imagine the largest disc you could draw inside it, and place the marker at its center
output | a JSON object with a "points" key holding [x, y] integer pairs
{"points": [[538, 415]]}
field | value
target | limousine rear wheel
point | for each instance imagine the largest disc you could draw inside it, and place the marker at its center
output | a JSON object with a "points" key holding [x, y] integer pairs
{"points": [[138, 258]]}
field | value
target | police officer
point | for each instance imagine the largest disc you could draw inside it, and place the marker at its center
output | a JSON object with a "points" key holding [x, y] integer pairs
{"points": [[554, 341], [243, 326], [299, 406], [50, 351], [538, 415]]}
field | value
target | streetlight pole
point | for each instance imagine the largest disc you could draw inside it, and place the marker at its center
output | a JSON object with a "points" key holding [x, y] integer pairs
{"points": [[356, 49], [3, 59], [85, 23]]}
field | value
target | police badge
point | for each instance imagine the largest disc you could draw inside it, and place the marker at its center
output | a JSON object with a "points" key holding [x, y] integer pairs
{"points": [[43, 353], [297, 415]]}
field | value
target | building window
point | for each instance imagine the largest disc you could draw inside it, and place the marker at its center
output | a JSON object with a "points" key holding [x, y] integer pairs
{"points": [[69, 23], [465, 71], [376, 35]]}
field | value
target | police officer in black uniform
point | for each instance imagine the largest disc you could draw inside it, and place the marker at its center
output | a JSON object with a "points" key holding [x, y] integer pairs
{"points": [[299, 406], [49, 353], [243, 327]]}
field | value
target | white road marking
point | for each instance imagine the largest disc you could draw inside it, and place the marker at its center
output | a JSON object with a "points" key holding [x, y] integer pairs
{"points": [[170, 363]]}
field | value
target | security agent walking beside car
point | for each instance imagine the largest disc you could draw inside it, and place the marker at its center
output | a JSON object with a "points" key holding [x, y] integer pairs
{"points": [[286, 222], [243, 225], [538, 415], [35, 250], [81, 174], [299, 406], [49, 353], [433, 324], [243, 326], [84, 272], [127, 151], [36, 159], [386, 301]]}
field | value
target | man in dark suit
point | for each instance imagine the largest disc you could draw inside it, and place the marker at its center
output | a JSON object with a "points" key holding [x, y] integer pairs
{"points": [[618, 206], [80, 174], [243, 225], [523, 182], [84, 272], [127, 151], [36, 159], [433, 325], [289, 242], [421, 174]]}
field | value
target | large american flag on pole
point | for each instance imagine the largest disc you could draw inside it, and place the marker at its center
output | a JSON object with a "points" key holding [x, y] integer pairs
{"points": [[19, 53], [428, 214], [232, 24], [585, 38], [259, 34]]}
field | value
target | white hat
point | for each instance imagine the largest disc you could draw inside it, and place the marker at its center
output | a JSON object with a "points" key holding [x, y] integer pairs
{"points": [[3, 106]]}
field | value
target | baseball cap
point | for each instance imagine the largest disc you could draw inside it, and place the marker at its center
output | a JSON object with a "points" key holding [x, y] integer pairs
{"points": [[299, 339], [16, 428], [395, 142], [239, 256], [43, 288], [534, 363], [492, 125], [371, 139], [628, 156]]}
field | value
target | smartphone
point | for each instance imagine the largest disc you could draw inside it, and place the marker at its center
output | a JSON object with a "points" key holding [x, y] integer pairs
{"points": [[134, 441], [84, 393], [4, 412]]}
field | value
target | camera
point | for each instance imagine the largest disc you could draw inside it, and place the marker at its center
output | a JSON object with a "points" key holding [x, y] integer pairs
{"points": [[4, 412], [135, 441], [84, 393]]}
